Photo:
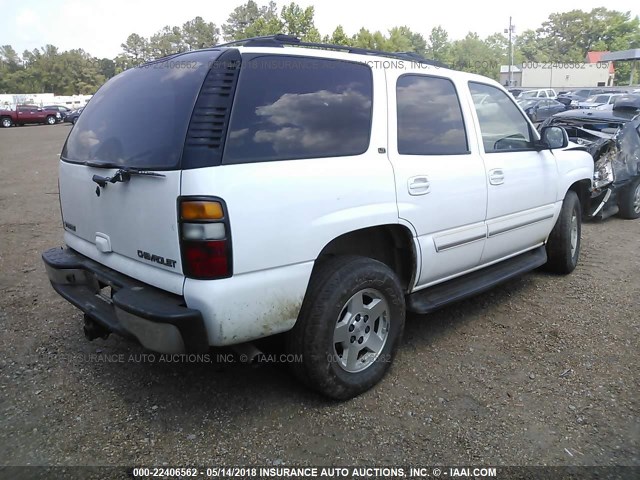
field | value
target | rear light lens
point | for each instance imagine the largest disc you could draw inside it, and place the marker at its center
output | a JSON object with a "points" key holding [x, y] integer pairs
{"points": [[203, 231], [201, 210], [206, 259], [205, 238]]}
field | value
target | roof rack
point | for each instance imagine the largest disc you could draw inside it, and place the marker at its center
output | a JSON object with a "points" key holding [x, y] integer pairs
{"points": [[280, 40]]}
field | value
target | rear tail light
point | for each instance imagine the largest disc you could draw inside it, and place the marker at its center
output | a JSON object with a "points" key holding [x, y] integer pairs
{"points": [[201, 210], [204, 231], [205, 238]]}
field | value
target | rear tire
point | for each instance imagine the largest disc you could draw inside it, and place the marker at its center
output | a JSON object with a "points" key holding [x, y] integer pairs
{"points": [[6, 122], [349, 327], [563, 244], [629, 201]]}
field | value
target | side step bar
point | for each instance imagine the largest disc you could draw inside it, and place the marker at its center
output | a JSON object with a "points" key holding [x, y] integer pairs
{"points": [[432, 298]]}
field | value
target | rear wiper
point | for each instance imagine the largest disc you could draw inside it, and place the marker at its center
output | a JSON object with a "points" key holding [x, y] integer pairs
{"points": [[122, 175], [95, 164]]}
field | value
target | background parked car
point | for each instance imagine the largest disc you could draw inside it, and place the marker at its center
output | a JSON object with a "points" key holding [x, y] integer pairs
{"points": [[73, 116], [25, 114], [580, 95], [538, 93], [539, 109], [516, 91], [600, 100], [628, 102], [64, 111]]}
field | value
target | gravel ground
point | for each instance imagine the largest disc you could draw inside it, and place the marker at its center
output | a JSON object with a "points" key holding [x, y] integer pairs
{"points": [[540, 371]]}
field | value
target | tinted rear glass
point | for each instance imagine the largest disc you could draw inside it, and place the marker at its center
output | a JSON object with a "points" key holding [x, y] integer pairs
{"points": [[298, 107], [429, 116], [140, 117]]}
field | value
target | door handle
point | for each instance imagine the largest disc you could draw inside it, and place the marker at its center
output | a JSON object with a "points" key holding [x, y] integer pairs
{"points": [[418, 185], [496, 176]]}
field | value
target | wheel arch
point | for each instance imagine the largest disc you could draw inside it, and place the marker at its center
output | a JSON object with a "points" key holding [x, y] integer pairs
{"points": [[582, 188], [391, 244]]}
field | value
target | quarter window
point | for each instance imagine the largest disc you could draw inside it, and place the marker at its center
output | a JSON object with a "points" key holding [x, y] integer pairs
{"points": [[502, 124], [429, 117], [299, 107]]}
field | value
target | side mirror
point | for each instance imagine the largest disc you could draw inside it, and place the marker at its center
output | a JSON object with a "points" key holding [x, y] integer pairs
{"points": [[553, 137]]}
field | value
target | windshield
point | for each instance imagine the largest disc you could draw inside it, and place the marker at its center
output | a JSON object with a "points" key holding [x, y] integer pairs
{"points": [[580, 94], [140, 117], [598, 99]]}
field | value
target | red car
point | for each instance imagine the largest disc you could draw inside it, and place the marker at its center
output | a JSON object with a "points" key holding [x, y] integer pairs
{"points": [[25, 114]]}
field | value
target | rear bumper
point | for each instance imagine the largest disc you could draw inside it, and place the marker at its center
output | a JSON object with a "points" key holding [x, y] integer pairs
{"points": [[159, 320]]}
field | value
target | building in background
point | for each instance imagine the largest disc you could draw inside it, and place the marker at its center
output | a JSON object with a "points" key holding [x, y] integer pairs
{"points": [[515, 72], [632, 56], [561, 75]]}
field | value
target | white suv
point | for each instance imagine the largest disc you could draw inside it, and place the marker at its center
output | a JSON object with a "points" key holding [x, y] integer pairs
{"points": [[266, 187], [540, 93]]}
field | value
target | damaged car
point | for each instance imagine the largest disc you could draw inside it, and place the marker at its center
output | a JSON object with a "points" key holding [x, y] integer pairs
{"points": [[613, 140]]}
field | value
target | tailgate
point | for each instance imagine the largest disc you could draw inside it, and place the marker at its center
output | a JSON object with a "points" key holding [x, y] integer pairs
{"points": [[130, 227], [132, 130]]}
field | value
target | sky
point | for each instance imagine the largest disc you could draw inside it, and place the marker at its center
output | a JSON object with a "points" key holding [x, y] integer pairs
{"points": [[100, 26]]}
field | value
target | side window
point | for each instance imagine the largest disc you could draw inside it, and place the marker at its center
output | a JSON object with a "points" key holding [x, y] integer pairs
{"points": [[542, 94], [290, 107], [429, 117], [502, 124]]}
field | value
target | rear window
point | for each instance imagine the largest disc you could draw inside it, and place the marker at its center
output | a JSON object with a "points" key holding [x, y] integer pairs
{"points": [[429, 116], [289, 107], [140, 117]]}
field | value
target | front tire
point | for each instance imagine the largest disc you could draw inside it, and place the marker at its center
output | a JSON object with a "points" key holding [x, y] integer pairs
{"points": [[629, 201], [349, 327], [563, 244], [51, 120]]}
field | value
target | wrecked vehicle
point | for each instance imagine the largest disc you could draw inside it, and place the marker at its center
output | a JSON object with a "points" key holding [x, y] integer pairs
{"points": [[613, 140]]}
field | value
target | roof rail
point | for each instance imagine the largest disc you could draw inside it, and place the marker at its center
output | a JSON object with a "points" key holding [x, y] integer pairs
{"points": [[280, 40]]}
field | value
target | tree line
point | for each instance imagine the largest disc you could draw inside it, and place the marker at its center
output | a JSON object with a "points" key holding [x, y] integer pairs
{"points": [[563, 37]]}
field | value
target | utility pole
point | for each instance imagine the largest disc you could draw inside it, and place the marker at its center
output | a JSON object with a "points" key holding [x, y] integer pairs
{"points": [[510, 31]]}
